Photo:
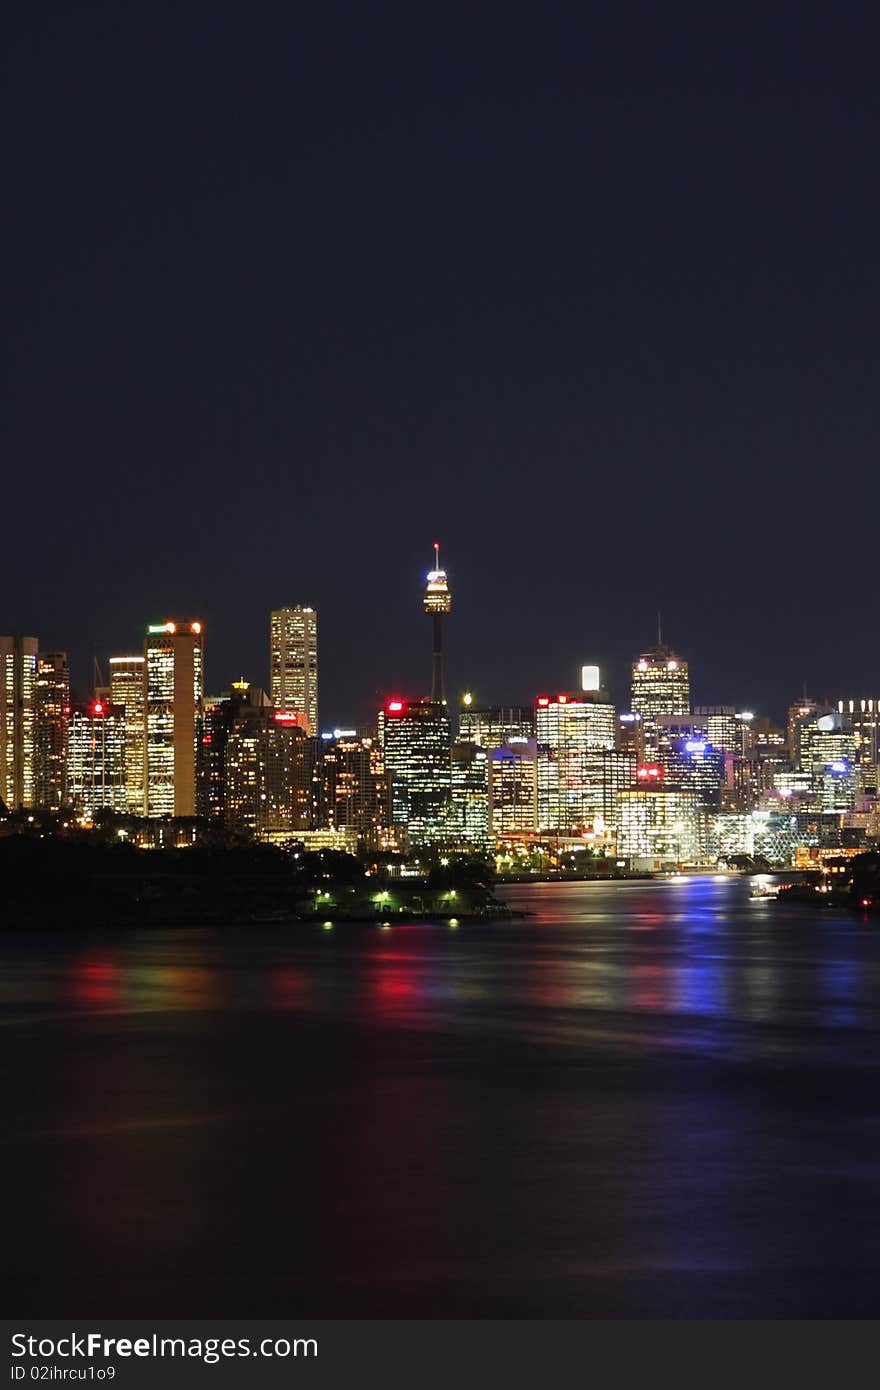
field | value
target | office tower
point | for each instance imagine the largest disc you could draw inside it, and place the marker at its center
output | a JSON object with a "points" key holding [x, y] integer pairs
{"points": [[18, 671], [469, 797], [572, 733], [660, 685], [797, 713], [127, 693], [416, 739], [266, 777], [437, 603], [96, 759], [51, 714], [692, 764], [828, 752], [656, 823], [618, 772], [864, 717], [293, 659], [513, 787], [492, 727], [628, 736], [721, 725], [173, 655], [355, 788]]}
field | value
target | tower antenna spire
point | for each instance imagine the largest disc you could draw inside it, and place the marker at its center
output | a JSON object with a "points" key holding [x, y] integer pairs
{"points": [[437, 604], [659, 630]]}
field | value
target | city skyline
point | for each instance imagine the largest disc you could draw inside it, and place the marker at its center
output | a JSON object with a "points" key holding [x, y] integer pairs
{"points": [[625, 380], [351, 702]]}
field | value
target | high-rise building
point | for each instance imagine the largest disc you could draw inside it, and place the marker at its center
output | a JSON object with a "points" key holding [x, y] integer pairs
{"points": [[127, 693], [174, 684], [51, 716], [618, 773], [416, 739], [572, 732], [18, 672], [657, 823], [513, 787], [437, 604], [722, 727], [267, 791], [492, 727], [864, 717], [802, 710], [96, 759], [660, 685], [828, 752], [293, 659], [469, 796], [355, 788]]}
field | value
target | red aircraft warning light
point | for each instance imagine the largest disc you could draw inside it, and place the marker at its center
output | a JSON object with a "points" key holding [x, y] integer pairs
{"points": [[649, 773], [97, 707]]}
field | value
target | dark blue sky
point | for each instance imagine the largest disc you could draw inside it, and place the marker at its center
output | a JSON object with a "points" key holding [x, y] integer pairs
{"points": [[590, 293]]}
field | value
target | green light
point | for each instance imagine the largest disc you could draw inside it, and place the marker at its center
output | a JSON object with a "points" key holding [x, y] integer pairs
{"points": [[328, 926]]}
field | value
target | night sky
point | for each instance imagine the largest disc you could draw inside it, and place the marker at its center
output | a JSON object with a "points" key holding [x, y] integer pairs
{"points": [[588, 293]]}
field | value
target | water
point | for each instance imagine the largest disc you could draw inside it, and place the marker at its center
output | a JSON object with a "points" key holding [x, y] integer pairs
{"points": [[647, 1099]]}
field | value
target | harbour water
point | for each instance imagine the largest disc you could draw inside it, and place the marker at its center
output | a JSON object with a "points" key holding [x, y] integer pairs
{"points": [[654, 1099]]}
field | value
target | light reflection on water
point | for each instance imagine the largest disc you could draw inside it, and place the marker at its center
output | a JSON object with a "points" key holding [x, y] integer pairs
{"points": [[536, 1117]]}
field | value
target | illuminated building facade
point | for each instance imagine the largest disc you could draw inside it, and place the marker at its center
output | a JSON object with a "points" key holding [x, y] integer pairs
{"points": [[51, 715], [618, 774], [18, 674], [96, 759], [803, 711], [469, 796], [828, 753], [492, 727], [127, 692], [864, 718], [628, 736], [721, 727], [437, 604], [513, 787], [293, 656], [267, 792], [355, 789], [657, 823], [417, 740], [174, 684], [688, 758], [660, 685], [572, 734]]}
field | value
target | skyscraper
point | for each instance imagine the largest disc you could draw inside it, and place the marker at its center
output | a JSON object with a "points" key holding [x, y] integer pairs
{"points": [[573, 732], [293, 663], [127, 692], [173, 654], [355, 788], [492, 727], [513, 788], [437, 603], [416, 737], [96, 759], [18, 670], [51, 715], [660, 685], [266, 773], [469, 796]]}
